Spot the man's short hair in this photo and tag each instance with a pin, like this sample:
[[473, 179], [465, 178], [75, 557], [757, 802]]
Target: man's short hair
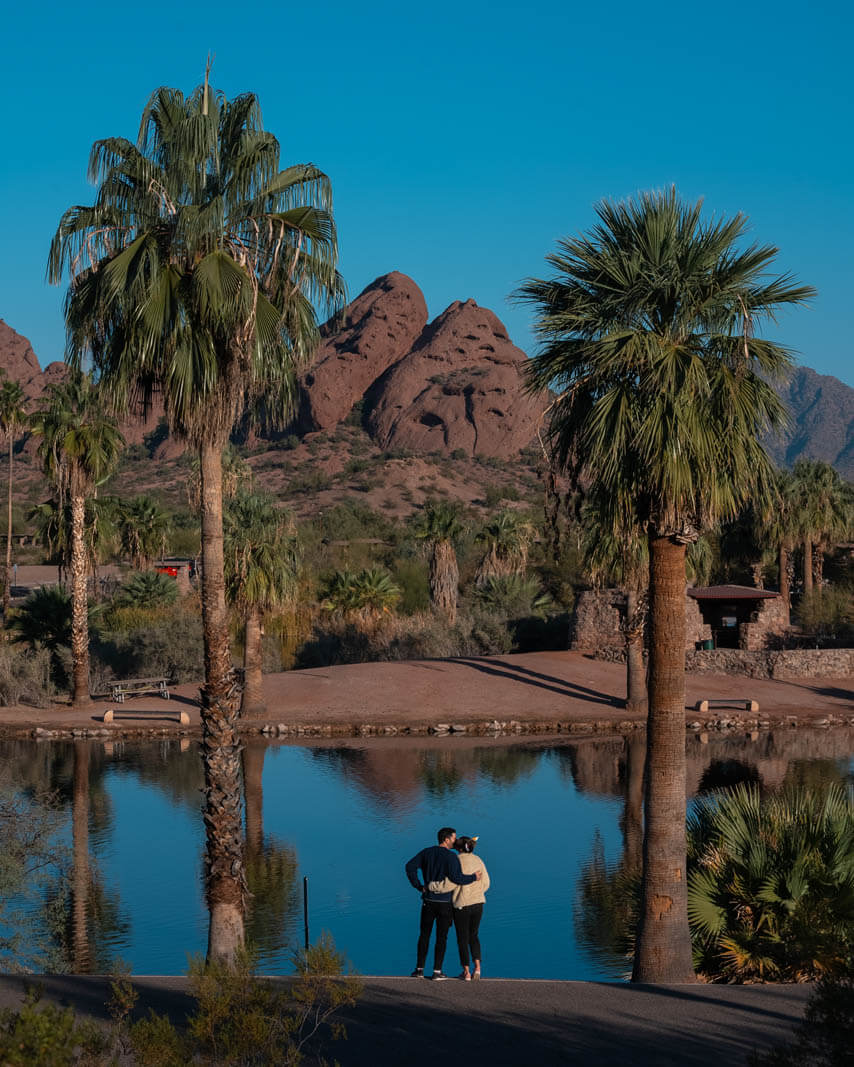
[[445, 833]]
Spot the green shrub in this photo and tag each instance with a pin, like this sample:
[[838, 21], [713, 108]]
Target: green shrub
[[823, 1038], [49, 1036], [147, 589], [771, 884], [241, 1019]]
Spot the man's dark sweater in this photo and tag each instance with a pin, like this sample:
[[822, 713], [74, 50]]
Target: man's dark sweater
[[436, 864]]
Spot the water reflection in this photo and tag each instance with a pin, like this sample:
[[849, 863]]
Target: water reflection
[[271, 869], [348, 814]]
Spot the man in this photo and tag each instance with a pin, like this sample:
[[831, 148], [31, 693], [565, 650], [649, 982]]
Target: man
[[436, 863]]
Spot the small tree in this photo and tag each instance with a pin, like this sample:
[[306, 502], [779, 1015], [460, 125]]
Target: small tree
[[262, 560], [439, 526], [507, 538]]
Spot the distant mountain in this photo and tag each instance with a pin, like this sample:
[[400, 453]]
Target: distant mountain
[[822, 422]]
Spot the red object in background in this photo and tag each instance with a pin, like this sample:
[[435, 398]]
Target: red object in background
[[171, 571]]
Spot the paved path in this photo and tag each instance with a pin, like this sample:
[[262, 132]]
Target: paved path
[[408, 1023]]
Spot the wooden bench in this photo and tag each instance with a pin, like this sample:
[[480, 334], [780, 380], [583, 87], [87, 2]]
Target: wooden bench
[[726, 702], [182, 716], [126, 687]]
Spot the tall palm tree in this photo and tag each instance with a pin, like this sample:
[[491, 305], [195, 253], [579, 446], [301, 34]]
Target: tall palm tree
[[439, 526], [507, 537], [648, 331], [781, 524], [80, 448], [13, 416], [143, 527], [53, 531], [824, 514], [195, 274], [261, 568]]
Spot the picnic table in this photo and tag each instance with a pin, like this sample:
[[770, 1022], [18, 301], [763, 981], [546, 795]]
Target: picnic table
[[125, 687]]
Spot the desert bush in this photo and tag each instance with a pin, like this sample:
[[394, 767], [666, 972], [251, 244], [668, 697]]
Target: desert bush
[[171, 647], [411, 575], [49, 1036], [25, 676], [512, 596], [828, 613], [241, 1019]]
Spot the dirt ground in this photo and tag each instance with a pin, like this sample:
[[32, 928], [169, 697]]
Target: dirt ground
[[537, 689]]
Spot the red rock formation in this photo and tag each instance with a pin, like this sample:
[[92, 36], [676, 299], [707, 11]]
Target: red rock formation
[[375, 331], [18, 360], [460, 387]]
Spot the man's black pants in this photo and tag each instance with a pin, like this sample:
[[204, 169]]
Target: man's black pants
[[442, 914], [467, 923]]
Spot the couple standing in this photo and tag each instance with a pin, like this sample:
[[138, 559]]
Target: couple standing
[[452, 893]]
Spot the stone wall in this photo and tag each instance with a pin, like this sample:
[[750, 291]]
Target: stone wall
[[786, 665], [598, 616], [600, 613], [770, 620]]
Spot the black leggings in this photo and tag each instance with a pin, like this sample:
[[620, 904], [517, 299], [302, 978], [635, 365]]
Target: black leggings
[[442, 914], [467, 924]]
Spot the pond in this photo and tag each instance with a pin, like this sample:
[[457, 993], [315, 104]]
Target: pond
[[347, 816]]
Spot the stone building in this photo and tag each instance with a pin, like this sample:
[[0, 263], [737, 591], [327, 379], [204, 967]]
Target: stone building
[[722, 616]]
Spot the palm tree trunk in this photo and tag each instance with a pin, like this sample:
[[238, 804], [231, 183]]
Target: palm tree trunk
[[783, 563], [7, 578], [81, 953], [79, 613], [663, 950], [818, 566], [444, 580], [633, 803], [636, 697], [224, 869], [253, 775], [252, 703], [807, 566]]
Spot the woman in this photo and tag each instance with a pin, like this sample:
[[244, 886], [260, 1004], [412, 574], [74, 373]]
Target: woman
[[468, 901]]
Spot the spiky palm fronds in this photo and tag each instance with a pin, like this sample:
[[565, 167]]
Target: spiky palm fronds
[[771, 883], [144, 528], [649, 333], [147, 589], [196, 272], [507, 537], [513, 596], [367, 594], [262, 553]]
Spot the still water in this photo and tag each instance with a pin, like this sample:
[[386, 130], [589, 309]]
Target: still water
[[348, 815]]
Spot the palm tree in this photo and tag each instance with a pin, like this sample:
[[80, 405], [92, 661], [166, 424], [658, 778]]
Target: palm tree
[[507, 538], [771, 884], [781, 525], [13, 417], [439, 526], [622, 557], [366, 595], [53, 530], [262, 566], [195, 274], [80, 447], [648, 335], [143, 530], [824, 511]]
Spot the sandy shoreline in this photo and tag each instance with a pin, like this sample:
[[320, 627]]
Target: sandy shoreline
[[536, 692]]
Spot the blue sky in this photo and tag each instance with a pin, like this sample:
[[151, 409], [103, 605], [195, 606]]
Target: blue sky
[[462, 140]]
